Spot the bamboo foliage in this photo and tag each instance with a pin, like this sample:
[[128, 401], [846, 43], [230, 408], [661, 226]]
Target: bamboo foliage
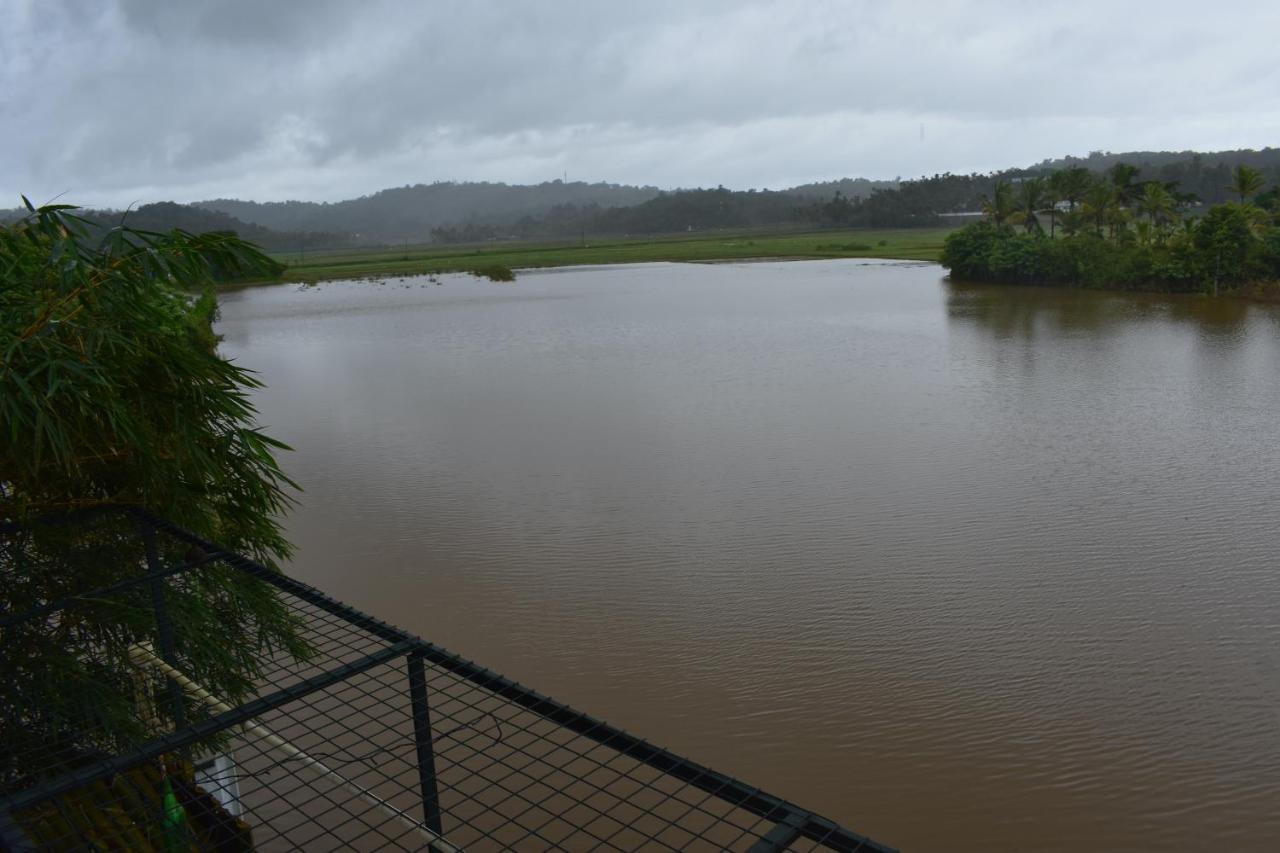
[[112, 391]]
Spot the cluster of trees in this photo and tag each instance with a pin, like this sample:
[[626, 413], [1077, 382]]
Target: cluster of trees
[[1203, 179], [856, 188], [1195, 179], [1208, 176], [1114, 230], [912, 204]]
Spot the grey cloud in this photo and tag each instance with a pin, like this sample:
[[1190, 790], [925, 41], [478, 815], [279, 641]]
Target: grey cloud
[[146, 99], [239, 23]]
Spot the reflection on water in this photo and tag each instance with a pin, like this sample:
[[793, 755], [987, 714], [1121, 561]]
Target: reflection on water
[[958, 566], [1010, 311]]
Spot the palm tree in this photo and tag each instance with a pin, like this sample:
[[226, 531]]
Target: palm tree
[[999, 206], [1245, 182], [1144, 230], [1099, 204], [1031, 196], [1157, 203], [1050, 201], [1073, 221], [1122, 178], [1071, 184]]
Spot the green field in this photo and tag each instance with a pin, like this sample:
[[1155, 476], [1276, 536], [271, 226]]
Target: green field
[[920, 244]]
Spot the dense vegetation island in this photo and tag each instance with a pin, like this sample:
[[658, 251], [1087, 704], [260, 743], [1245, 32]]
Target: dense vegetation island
[[1113, 231]]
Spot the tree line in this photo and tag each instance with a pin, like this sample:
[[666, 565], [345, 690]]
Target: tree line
[[1193, 180], [1115, 230]]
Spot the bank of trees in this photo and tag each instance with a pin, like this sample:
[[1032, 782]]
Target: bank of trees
[[1116, 230]]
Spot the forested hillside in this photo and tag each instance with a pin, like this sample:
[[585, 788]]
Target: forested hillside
[[1205, 174], [848, 187], [167, 215], [410, 212], [1201, 180]]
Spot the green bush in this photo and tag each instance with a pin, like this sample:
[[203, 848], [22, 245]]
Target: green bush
[[494, 272]]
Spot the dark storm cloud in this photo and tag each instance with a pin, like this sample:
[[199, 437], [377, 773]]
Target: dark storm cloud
[[145, 99]]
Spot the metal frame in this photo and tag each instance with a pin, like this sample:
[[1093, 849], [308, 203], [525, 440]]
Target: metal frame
[[781, 823]]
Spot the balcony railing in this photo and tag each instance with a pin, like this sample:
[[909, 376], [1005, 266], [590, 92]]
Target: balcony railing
[[363, 736]]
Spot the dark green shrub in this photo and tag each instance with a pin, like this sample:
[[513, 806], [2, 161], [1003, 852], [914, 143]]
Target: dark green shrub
[[494, 272]]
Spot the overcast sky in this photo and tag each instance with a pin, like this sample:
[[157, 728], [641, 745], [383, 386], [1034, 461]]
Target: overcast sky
[[143, 100]]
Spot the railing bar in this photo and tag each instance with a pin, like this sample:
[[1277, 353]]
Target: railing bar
[[422, 742], [202, 729], [783, 833], [164, 627]]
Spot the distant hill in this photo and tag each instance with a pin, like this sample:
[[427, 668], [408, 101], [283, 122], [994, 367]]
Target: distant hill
[[1097, 161], [1207, 174], [667, 212], [847, 187], [410, 212], [167, 215]]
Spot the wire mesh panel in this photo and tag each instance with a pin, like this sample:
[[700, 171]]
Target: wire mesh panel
[[352, 734]]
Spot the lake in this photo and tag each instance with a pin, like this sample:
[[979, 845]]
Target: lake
[[958, 566]]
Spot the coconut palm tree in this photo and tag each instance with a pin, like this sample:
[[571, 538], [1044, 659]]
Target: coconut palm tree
[[1144, 231], [1030, 203], [1245, 182], [1071, 184], [999, 206], [1050, 200], [1123, 177], [1157, 204], [1099, 204]]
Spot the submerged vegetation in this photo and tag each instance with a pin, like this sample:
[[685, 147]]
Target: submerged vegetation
[[919, 244], [1114, 231], [494, 272]]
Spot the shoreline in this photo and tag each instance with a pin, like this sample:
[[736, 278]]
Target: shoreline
[[764, 259], [918, 244]]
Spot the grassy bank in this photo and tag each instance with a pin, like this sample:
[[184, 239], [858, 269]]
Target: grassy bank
[[909, 244]]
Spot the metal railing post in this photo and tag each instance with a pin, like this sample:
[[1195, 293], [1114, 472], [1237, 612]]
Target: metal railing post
[[164, 627], [422, 739]]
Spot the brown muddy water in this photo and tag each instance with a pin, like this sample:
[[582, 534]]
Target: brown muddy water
[[960, 567]]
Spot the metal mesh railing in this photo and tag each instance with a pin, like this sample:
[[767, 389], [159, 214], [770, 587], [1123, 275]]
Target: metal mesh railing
[[361, 736]]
